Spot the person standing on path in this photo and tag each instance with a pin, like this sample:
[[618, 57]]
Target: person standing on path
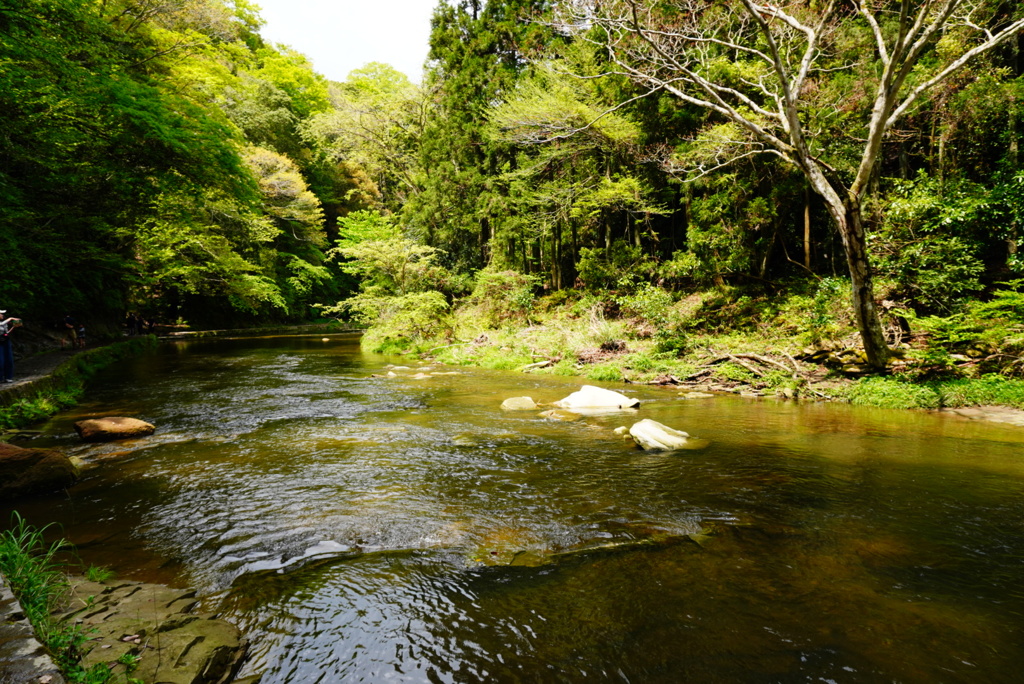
[[70, 334], [6, 350]]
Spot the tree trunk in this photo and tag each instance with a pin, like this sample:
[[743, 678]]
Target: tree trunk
[[851, 229], [807, 227]]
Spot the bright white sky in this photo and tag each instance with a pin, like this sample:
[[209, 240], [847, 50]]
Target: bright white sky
[[342, 35]]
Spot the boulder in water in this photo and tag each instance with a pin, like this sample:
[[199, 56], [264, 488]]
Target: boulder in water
[[519, 404], [590, 397], [108, 429], [651, 435], [24, 472]]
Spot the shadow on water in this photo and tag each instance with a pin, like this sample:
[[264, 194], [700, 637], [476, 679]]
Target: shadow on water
[[404, 528]]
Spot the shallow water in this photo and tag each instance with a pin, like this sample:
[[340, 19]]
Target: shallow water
[[371, 529]]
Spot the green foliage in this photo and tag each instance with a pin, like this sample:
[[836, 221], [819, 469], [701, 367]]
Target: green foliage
[[499, 358], [95, 573], [821, 314], [896, 393], [981, 328], [400, 320], [504, 297], [381, 256], [31, 568], [374, 125], [624, 265], [932, 240], [647, 302], [986, 390]]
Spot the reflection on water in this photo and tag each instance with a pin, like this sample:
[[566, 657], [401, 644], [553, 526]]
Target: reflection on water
[[364, 528]]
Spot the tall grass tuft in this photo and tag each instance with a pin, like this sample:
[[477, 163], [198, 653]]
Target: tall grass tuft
[[34, 575]]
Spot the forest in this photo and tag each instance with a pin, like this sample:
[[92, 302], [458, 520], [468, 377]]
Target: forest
[[838, 174]]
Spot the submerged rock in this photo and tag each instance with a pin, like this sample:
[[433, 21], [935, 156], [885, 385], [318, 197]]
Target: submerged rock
[[590, 397], [651, 435], [519, 404], [696, 395], [561, 414], [24, 472], [465, 439], [116, 427]]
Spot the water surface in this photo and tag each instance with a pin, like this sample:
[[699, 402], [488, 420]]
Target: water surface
[[369, 529]]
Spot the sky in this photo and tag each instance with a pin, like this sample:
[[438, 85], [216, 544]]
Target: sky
[[341, 35]]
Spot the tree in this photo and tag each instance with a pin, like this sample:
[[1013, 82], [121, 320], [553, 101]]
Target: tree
[[477, 51], [375, 125], [761, 67]]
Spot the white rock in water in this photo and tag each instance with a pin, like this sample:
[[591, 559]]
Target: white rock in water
[[590, 397], [621, 430], [651, 435], [519, 404]]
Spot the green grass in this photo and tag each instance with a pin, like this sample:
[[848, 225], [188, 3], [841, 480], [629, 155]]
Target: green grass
[[891, 393], [904, 394]]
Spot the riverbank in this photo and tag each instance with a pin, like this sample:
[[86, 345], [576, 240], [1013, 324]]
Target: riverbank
[[774, 359], [47, 383]]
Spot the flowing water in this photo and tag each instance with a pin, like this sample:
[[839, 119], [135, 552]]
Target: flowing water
[[367, 529]]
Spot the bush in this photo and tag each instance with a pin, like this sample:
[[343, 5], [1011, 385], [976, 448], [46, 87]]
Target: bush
[[649, 303], [601, 269], [504, 297], [932, 240], [406, 320]]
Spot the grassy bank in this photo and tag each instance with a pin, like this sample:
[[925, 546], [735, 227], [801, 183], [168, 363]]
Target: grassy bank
[[64, 387], [796, 342], [40, 583]]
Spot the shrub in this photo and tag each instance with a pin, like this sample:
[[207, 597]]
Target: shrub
[[504, 296], [647, 302], [932, 239], [396, 320]]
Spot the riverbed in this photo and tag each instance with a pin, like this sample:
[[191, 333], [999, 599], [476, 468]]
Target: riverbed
[[366, 528]]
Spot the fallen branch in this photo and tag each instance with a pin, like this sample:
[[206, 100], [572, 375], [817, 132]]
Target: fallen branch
[[764, 360], [746, 365], [796, 367]]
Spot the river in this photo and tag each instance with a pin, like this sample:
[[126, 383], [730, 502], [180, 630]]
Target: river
[[361, 528]]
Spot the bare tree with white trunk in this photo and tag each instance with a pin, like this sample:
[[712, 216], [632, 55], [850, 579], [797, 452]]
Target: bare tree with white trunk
[[682, 46]]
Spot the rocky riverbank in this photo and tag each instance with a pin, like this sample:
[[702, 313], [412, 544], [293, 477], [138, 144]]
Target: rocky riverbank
[[151, 632]]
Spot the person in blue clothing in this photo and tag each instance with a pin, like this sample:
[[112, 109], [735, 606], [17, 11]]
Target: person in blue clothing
[[7, 325]]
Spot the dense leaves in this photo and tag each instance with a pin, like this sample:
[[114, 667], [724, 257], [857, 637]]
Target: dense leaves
[[162, 156]]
